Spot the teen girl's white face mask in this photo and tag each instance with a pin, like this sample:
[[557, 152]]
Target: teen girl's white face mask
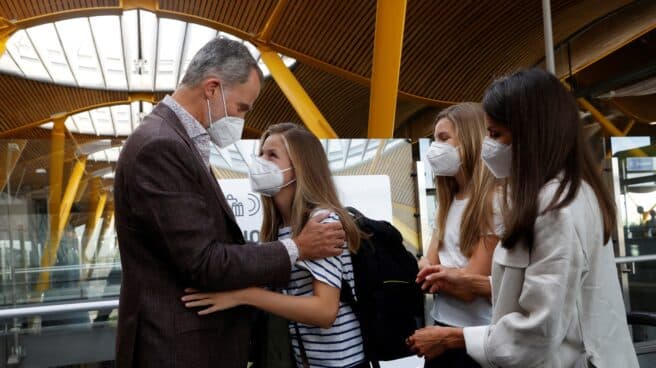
[[497, 157], [226, 130], [266, 177], [444, 159]]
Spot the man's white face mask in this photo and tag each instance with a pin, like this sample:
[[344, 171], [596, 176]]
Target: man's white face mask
[[266, 177], [226, 130]]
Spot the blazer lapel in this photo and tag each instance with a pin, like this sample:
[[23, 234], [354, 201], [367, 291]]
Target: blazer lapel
[[172, 119]]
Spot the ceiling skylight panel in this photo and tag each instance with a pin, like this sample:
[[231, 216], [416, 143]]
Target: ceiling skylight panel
[[48, 46], [129, 32], [107, 35], [8, 65], [122, 119], [102, 121], [81, 51], [84, 123], [22, 51], [197, 36], [142, 63], [171, 38]]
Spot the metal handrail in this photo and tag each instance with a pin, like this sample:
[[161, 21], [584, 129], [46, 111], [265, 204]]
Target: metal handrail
[[637, 259], [57, 308]]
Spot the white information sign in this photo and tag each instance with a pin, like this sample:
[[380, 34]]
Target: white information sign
[[371, 194]]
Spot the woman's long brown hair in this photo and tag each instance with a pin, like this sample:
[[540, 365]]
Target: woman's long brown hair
[[468, 120], [547, 143]]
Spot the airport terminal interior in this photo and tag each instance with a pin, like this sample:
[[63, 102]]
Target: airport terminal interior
[[367, 77]]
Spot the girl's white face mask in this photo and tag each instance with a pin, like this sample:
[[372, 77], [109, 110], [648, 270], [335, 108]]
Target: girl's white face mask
[[497, 157], [226, 130], [266, 177], [444, 159]]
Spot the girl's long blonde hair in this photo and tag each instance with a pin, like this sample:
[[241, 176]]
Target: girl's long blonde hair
[[468, 120], [314, 185]]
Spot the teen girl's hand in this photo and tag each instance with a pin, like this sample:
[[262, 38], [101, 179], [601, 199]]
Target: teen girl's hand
[[213, 301]]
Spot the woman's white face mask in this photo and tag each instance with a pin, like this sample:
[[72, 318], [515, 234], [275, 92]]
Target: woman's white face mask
[[497, 157], [444, 159], [266, 177]]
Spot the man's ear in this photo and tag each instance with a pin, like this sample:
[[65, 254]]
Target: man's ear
[[211, 87]]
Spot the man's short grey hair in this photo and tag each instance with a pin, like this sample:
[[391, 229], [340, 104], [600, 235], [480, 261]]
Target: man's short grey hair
[[229, 60]]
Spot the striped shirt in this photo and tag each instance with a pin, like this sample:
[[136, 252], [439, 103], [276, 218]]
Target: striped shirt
[[341, 344]]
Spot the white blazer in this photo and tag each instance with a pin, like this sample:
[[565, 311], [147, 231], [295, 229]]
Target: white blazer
[[558, 305]]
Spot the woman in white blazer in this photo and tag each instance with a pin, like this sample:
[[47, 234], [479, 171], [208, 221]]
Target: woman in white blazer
[[555, 292]]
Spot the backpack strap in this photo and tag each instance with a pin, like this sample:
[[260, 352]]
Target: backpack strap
[[304, 358]]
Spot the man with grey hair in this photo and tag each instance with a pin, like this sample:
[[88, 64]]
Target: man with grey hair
[[176, 230]]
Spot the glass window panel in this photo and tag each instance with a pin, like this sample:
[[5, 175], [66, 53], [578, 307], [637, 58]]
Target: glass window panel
[[122, 119], [171, 38], [84, 123], [102, 120], [81, 51], [49, 125], [7, 65], [46, 41], [24, 54], [107, 33]]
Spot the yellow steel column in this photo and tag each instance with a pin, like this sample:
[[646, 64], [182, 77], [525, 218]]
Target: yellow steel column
[[56, 169], [296, 95], [64, 210], [388, 42], [98, 200]]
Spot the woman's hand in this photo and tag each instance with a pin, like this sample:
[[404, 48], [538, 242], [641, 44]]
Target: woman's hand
[[431, 342], [215, 301], [437, 277]]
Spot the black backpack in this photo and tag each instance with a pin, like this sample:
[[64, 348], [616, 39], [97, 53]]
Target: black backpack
[[390, 304]]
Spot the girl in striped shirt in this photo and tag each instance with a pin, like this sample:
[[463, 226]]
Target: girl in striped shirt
[[293, 176]]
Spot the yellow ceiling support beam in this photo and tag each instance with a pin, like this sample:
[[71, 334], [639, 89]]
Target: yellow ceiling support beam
[[629, 127], [142, 96], [296, 95], [388, 43], [50, 252], [14, 150], [273, 21], [608, 125], [151, 5], [7, 28], [98, 199]]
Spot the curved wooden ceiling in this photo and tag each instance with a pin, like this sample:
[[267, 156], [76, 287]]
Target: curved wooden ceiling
[[452, 50]]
